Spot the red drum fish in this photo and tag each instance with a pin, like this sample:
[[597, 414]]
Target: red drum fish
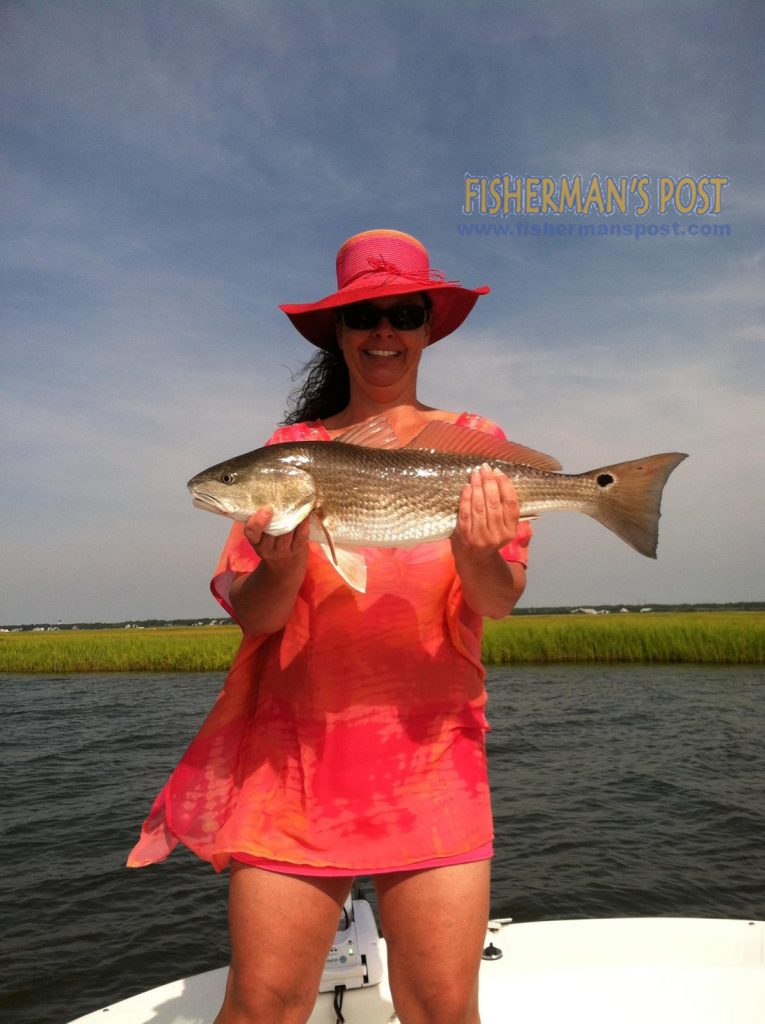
[[364, 490]]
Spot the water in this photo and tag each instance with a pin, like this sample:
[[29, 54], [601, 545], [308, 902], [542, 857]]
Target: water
[[617, 791]]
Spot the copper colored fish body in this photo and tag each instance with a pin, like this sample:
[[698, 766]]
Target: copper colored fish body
[[385, 496]]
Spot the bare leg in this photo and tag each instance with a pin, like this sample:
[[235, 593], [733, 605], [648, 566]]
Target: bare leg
[[281, 929], [434, 923]]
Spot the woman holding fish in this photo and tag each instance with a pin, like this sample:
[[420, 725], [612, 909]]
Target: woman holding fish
[[444, 911], [349, 736]]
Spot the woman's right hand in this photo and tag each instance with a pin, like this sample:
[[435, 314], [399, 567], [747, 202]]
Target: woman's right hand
[[276, 551], [263, 600]]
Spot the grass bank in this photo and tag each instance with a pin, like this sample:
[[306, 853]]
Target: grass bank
[[164, 649], [708, 638], [705, 638]]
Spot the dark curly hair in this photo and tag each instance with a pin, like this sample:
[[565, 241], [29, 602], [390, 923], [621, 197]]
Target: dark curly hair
[[326, 388]]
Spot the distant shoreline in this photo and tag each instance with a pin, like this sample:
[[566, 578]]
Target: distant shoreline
[[722, 637], [599, 609]]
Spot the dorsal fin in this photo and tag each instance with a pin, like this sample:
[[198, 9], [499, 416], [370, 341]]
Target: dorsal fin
[[372, 433], [448, 437]]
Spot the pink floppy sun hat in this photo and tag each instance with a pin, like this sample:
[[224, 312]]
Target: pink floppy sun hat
[[376, 264]]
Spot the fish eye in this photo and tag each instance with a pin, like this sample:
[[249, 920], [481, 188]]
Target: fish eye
[[227, 478]]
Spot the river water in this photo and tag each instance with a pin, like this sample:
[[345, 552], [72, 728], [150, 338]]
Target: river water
[[618, 791]]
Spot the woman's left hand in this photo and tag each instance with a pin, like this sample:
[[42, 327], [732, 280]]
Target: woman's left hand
[[487, 518]]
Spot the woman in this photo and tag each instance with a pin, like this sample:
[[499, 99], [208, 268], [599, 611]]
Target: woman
[[349, 737]]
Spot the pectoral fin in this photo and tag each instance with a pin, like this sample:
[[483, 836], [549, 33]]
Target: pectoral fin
[[286, 520], [350, 565]]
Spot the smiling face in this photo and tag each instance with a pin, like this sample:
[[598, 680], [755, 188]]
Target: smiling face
[[382, 361]]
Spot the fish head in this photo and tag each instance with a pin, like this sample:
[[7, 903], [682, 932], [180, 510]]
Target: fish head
[[240, 486]]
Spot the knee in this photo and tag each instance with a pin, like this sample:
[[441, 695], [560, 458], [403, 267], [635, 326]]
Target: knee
[[448, 1003], [262, 999]]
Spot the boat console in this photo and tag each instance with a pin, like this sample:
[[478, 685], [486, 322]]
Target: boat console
[[354, 959]]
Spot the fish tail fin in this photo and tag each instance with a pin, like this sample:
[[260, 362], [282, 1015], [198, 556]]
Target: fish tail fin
[[628, 498]]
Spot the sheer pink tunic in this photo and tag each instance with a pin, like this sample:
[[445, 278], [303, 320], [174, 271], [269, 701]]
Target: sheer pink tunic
[[351, 741]]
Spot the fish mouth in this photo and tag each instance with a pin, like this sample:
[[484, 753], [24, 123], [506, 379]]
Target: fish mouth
[[209, 503]]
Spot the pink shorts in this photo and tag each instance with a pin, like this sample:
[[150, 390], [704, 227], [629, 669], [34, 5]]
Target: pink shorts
[[485, 852]]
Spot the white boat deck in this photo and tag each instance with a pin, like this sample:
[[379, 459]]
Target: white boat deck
[[628, 970]]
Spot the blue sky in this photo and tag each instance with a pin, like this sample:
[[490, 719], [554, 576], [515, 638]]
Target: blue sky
[[174, 170]]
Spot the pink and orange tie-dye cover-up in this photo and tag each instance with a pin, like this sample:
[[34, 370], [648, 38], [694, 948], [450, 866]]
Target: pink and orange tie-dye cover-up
[[355, 735]]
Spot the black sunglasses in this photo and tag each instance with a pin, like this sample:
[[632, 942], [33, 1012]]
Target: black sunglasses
[[363, 316]]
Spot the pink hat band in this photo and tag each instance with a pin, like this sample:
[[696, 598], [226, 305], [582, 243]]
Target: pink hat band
[[362, 256], [377, 264], [382, 270]]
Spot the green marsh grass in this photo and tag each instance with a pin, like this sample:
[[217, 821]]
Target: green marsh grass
[[702, 638], [708, 638], [164, 649]]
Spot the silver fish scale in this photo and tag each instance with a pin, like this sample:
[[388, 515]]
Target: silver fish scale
[[368, 497]]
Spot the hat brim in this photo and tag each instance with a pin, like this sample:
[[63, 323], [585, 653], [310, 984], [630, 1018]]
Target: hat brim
[[451, 305]]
